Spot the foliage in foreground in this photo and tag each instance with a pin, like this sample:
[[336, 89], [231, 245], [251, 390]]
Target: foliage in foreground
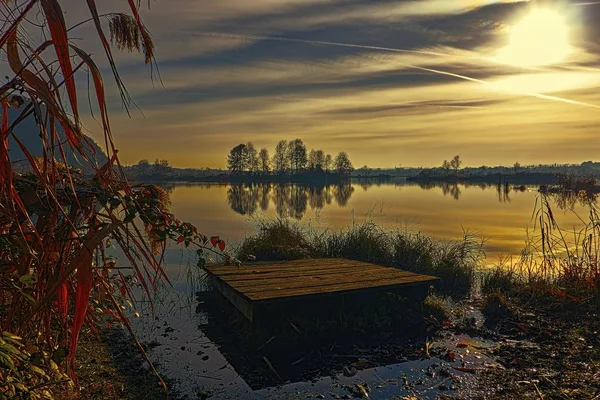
[[454, 262], [57, 226]]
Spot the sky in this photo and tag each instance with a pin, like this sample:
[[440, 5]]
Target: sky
[[391, 82]]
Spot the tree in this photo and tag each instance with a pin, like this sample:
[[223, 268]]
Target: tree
[[237, 160], [327, 163], [446, 166], [252, 157], [161, 167], [319, 159], [342, 163], [517, 167], [144, 167], [455, 163], [312, 164], [280, 158], [264, 164], [297, 155], [316, 160]]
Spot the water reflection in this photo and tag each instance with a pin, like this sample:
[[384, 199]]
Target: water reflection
[[501, 213], [290, 200], [569, 200], [293, 200]]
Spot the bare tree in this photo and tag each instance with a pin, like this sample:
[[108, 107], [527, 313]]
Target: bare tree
[[280, 158], [446, 166], [455, 163], [517, 167], [264, 164], [252, 157]]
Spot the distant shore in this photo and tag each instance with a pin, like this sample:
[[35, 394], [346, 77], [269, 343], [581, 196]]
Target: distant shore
[[517, 178], [305, 178]]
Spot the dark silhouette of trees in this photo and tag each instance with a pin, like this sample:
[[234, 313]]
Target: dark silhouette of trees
[[289, 158], [161, 167], [517, 167], [446, 166], [144, 167], [280, 158], [252, 157], [237, 160], [297, 155], [455, 163], [264, 163], [327, 163], [342, 164], [316, 160]]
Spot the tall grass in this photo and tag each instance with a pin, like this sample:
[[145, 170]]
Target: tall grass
[[556, 262], [454, 262]]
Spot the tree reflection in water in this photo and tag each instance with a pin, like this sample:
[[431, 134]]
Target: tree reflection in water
[[290, 200]]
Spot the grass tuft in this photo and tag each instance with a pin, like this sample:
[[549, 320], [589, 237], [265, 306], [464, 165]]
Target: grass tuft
[[276, 240], [454, 262]]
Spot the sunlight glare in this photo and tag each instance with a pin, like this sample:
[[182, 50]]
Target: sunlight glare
[[540, 38]]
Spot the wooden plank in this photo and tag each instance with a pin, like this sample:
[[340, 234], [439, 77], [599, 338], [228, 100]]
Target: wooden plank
[[347, 287], [266, 278], [312, 280], [267, 273], [316, 264], [332, 283], [304, 263]]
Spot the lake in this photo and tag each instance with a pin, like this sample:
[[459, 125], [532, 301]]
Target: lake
[[501, 215], [180, 327]]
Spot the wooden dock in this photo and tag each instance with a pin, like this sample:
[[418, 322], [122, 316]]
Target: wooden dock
[[257, 284]]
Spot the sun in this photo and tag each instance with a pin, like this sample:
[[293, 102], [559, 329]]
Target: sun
[[541, 38]]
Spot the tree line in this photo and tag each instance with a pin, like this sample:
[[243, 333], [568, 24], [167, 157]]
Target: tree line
[[289, 158]]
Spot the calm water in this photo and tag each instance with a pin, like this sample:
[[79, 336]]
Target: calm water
[[442, 211]]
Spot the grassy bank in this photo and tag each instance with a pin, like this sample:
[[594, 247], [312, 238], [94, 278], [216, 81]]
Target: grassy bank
[[454, 261], [546, 307]]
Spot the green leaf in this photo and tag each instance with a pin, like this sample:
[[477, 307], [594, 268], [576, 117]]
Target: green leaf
[[7, 361], [27, 279], [37, 370], [201, 262]]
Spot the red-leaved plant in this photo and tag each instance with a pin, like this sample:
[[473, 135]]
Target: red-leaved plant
[[55, 221]]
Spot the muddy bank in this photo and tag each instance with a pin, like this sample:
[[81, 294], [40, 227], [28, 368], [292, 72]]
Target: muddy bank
[[109, 366], [547, 353]]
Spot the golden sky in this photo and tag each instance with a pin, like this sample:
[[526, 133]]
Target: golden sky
[[391, 82]]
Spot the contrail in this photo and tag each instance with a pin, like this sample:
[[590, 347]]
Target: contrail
[[397, 50], [482, 82]]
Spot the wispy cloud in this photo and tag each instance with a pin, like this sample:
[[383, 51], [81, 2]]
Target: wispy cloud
[[389, 81]]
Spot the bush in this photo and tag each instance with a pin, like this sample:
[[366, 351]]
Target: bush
[[363, 242], [275, 240]]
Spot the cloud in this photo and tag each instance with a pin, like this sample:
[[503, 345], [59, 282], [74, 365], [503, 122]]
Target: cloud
[[388, 81]]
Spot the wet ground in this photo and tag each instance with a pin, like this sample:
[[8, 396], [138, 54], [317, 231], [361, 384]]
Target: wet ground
[[204, 362]]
